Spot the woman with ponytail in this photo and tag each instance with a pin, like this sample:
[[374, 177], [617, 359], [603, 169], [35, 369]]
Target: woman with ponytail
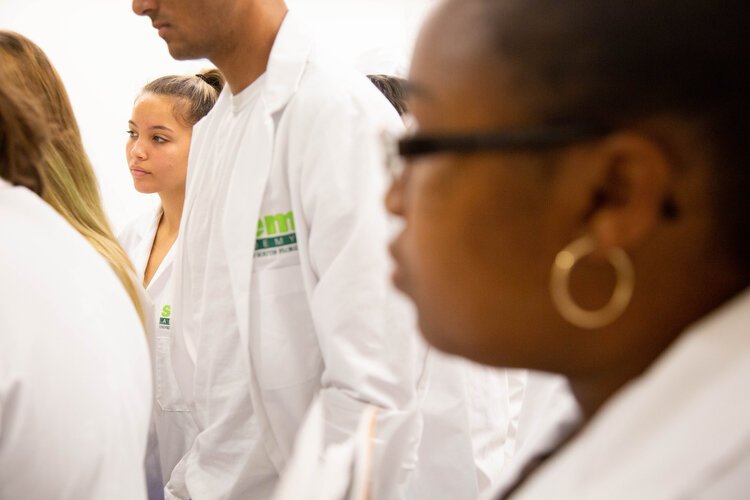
[[159, 133]]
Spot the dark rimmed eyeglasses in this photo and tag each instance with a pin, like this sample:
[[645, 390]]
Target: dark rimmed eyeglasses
[[400, 151]]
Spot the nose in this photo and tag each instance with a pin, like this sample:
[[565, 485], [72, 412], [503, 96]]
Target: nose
[[136, 150], [144, 7], [394, 197]]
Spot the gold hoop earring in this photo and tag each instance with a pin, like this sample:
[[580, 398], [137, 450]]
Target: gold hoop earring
[[566, 260]]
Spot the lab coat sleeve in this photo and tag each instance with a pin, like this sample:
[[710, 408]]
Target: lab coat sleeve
[[365, 329]]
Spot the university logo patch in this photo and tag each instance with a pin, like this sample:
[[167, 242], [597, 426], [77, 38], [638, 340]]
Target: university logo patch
[[164, 320], [275, 235]]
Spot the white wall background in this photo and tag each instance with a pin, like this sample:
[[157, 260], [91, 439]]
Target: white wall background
[[105, 54]]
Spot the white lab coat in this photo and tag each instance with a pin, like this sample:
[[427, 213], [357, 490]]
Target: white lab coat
[[476, 419], [75, 385], [470, 418], [341, 471], [173, 420], [681, 430], [547, 414]]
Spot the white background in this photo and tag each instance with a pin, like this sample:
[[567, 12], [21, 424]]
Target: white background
[[105, 54]]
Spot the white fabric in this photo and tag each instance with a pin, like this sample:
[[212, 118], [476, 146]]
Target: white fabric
[[476, 419], [546, 414], [75, 387], [682, 430], [341, 471], [311, 312], [173, 422], [469, 413]]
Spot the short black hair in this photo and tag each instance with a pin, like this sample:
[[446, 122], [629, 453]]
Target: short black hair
[[393, 88], [613, 63]]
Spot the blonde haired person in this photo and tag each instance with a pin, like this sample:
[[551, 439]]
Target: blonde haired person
[[74, 373], [70, 185], [159, 134]]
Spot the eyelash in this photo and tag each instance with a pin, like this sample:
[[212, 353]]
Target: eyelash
[[157, 139]]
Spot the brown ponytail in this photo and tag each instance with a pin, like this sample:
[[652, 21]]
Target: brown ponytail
[[194, 95]]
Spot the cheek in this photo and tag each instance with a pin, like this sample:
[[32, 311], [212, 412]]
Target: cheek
[[184, 158], [170, 161], [445, 272], [474, 263]]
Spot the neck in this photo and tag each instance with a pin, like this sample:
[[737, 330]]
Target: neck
[[670, 311], [591, 394], [171, 204], [246, 56]]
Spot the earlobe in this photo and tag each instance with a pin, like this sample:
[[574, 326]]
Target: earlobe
[[635, 190]]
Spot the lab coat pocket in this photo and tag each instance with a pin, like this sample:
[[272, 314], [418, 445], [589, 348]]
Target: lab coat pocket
[[287, 351], [168, 393]]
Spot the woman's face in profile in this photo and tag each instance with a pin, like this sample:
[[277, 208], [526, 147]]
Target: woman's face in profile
[[158, 145], [481, 230]]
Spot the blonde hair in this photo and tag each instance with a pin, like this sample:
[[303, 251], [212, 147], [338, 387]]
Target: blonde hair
[[67, 178]]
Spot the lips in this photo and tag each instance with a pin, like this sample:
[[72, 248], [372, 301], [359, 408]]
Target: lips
[[161, 27], [138, 173], [397, 272]]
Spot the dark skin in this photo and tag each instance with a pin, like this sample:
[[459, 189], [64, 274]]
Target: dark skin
[[482, 230]]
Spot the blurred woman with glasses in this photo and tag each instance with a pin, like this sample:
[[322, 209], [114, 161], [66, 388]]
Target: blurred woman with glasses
[[575, 199]]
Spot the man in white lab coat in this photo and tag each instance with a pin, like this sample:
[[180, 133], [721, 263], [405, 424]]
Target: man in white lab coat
[[281, 273]]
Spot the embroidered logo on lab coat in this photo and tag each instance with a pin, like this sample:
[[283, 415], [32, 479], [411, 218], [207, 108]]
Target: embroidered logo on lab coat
[[275, 235], [166, 313]]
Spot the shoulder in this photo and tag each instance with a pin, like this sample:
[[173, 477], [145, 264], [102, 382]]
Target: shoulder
[[45, 262], [339, 91], [28, 222], [220, 109]]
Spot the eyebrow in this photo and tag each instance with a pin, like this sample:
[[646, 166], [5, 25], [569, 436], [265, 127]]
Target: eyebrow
[[155, 127]]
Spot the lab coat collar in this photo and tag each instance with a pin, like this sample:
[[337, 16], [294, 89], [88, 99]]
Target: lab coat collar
[[147, 230], [662, 421], [286, 63]]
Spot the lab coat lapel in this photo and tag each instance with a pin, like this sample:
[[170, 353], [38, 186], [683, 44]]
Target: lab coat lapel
[[247, 187], [286, 64], [145, 230], [248, 182]]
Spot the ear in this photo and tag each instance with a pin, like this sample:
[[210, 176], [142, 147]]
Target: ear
[[636, 174]]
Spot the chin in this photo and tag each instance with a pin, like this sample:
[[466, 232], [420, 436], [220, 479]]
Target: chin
[[182, 52], [144, 189], [457, 342], [441, 339]]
